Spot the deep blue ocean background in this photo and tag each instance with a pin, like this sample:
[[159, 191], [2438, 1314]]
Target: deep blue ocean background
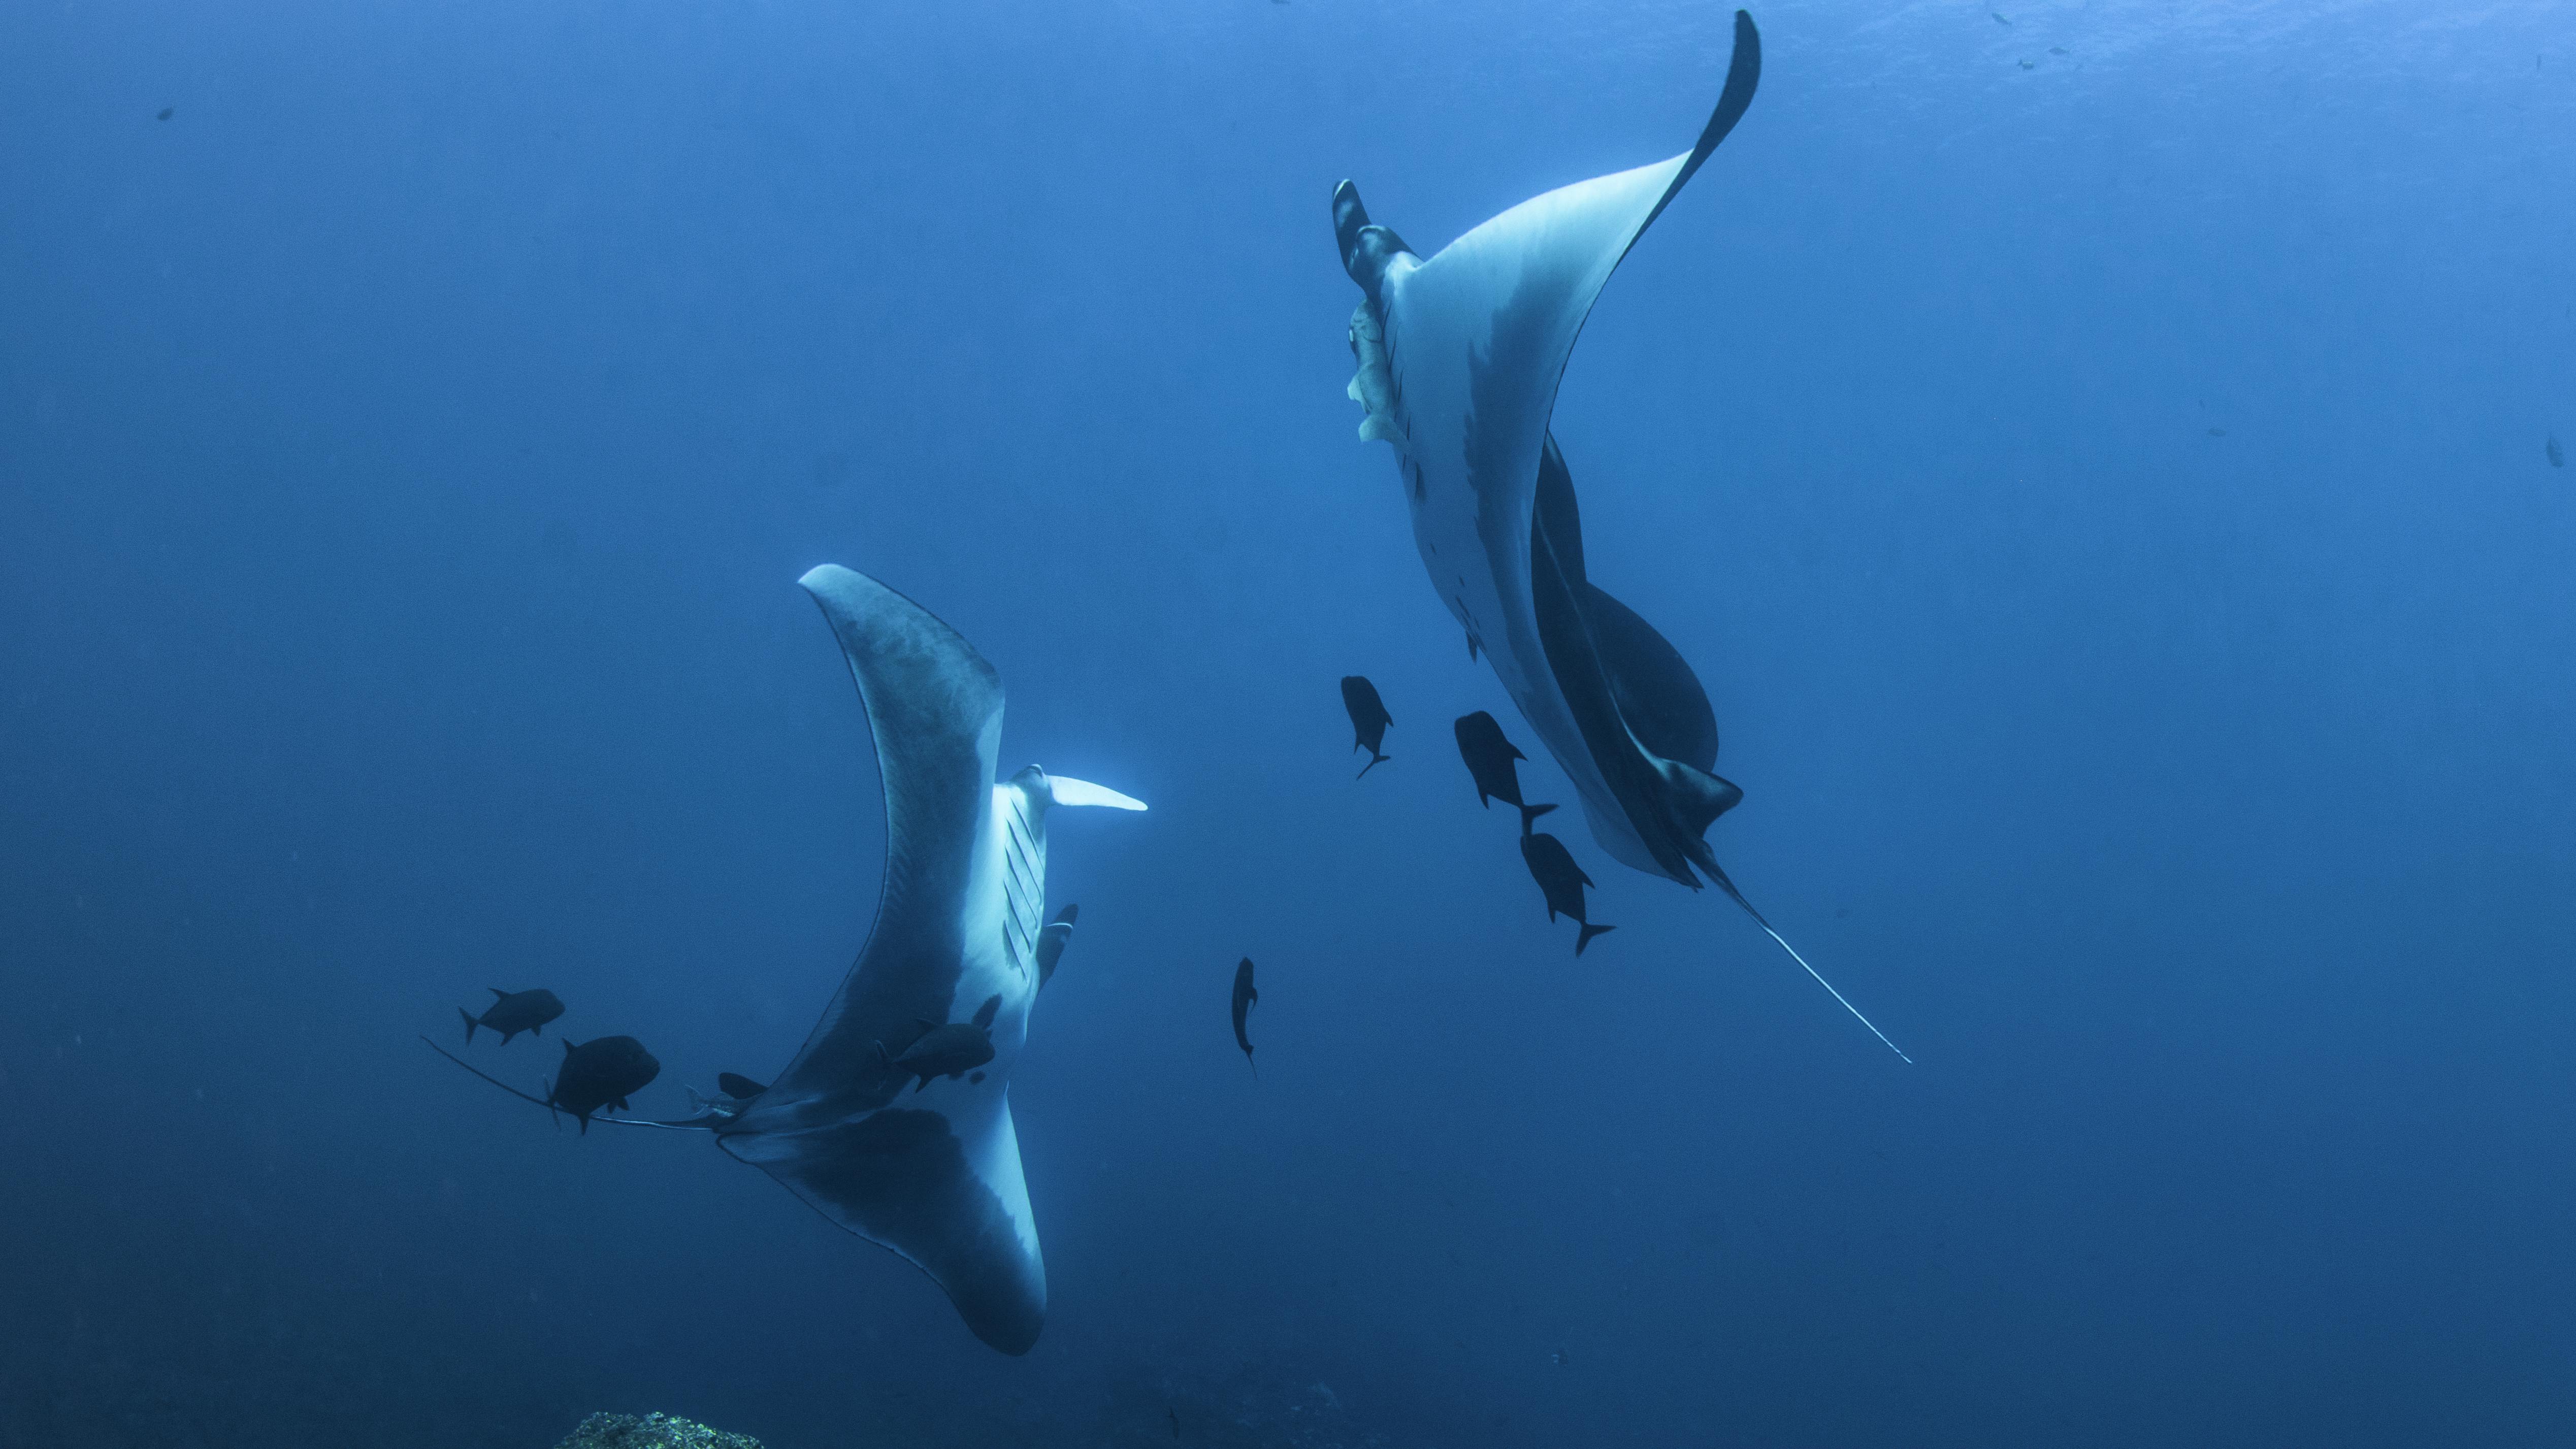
[[2095, 454]]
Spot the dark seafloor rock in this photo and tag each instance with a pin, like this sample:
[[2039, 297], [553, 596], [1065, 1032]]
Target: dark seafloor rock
[[653, 1431]]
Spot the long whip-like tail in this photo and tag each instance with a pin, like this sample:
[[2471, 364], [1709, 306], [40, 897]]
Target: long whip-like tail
[[1729, 887], [549, 1106], [487, 1076]]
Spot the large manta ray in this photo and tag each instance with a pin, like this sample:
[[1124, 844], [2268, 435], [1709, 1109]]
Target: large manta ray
[[959, 949], [1459, 359]]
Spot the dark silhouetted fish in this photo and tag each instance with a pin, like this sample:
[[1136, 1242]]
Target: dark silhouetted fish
[[1369, 719], [1489, 758], [1563, 882], [947, 1051], [601, 1073], [2557, 455], [740, 1088], [513, 1013], [1244, 996]]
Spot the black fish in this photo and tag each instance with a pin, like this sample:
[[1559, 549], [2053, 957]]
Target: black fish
[[1369, 718], [1489, 758], [740, 1088], [165, 113], [946, 1051], [1244, 996], [1563, 882], [2557, 455], [600, 1073], [513, 1013]]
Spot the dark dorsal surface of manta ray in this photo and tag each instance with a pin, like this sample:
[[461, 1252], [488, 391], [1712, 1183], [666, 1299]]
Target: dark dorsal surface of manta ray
[[948, 974], [513, 1012], [1459, 357], [601, 1073], [1562, 882], [1244, 997], [1489, 755], [1369, 719]]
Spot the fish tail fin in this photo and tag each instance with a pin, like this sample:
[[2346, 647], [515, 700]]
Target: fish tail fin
[[1530, 813], [1708, 863], [470, 1024], [1375, 760], [1584, 937]]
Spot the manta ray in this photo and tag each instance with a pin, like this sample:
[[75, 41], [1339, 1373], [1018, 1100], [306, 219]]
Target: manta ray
[[894, 1120], [961, 937], [1459, 357]]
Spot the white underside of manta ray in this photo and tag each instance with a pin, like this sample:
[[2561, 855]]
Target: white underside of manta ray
[[1459, 360], [925, 1162]]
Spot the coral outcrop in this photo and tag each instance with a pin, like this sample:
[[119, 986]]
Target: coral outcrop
[[653, 1431]]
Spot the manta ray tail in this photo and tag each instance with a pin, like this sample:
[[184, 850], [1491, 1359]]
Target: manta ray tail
[[487, 1076], [1584, 937], [1708, 863], [1530, 813]]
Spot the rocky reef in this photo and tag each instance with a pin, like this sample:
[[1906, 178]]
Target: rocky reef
[[653, 1431]]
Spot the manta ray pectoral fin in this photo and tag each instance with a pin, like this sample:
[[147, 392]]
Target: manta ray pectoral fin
[[941, 1186], [1696, 797], [1070, 791], [934, 709]]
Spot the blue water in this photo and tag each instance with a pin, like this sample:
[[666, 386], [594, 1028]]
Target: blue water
[[2105, 492]]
